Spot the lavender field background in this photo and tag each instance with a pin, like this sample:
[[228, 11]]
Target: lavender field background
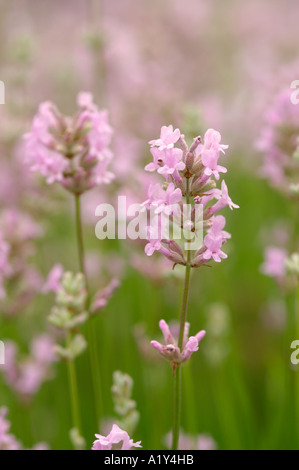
[[196, 65]]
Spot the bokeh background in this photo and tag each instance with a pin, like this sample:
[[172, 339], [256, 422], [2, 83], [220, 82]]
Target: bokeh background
[[194, 64]]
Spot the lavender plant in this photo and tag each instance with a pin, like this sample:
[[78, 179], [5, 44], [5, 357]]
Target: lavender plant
[[190, 175], [73, 151]]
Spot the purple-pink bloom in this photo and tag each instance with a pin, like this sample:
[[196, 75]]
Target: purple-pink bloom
[[172, 163], [117, 439], [168, 138], [223, 200], [171, 351], [210, 161], [163, 200], [74, 151]]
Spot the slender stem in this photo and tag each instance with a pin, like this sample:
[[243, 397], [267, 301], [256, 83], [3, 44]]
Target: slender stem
[[74, 390], [184, 306], [79, 233], [93, 352], [177, 372], [177, 408]]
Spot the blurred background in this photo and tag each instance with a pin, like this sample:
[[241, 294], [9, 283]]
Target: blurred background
[[194, 64]]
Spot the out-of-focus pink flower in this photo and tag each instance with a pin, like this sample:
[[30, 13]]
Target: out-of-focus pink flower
[[7, 441], [278, 142], [117, 439], [27, 375], [193, 442], [52, 283], [73, 151], [275, 262], [101, 298]]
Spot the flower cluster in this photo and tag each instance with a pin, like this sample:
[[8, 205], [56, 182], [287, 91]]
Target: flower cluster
[[190, 176], [18, 232], [279, 144], [69, 311], [73, 151], [26, 376], [171, 351], [124, 406], [117, 439]]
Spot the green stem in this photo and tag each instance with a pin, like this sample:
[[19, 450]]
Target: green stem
[[93, 351], [177, 372], [74, 391], [177, 408]]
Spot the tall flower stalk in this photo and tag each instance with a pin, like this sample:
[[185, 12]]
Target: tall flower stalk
[[279, 144], [183, 226], [93, 352], [74, 151]]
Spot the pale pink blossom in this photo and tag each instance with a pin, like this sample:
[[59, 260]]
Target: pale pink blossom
[[25, 376], [275, 262], [163, 200], [168, 138], [171, 351], [117, 439]]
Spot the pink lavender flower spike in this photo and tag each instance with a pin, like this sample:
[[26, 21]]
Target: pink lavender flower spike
[[190, 176], [117, 439], [278, 143], [171, 351], [73, 151]]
